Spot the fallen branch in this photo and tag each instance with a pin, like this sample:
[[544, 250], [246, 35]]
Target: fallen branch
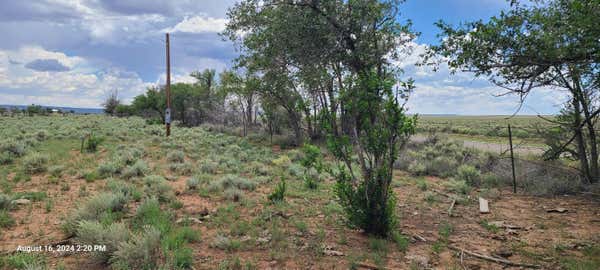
[[492, 259]]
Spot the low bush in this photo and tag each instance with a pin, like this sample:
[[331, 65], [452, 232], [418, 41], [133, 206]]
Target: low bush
[[138, 169], [469, 174], [458, 186], [233, 194], [6, 220], [142, 251], [176, 156], [35, 163], [110, 168], [92, 143], [95, 233], [5, 202], [181, 168], [157, 186], [56, 170], [102, 207], [14, 147], [208, 167], [225, 243], [231, 180], [192, 183]]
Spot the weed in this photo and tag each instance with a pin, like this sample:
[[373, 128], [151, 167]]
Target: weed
[[150, 214], [401, 241], [490, 227], [279, 193]]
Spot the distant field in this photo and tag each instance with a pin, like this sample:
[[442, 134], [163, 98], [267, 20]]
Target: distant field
[[524, 127]]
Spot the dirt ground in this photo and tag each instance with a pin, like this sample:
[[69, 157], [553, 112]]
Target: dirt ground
[[519, 228]]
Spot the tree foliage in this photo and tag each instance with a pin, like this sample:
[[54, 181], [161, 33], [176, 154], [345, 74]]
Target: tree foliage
[[545, 44], [330, 60]]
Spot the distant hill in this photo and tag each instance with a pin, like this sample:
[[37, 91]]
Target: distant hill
[[64, 109]]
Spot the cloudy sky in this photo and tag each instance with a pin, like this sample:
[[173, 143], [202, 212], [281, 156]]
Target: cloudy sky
[[73, 52]]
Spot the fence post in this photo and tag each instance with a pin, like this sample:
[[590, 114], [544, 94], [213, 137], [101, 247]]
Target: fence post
[[512, 160]]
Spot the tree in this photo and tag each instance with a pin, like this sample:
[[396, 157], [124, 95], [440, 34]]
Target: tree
[[339, 52], [151, 104], [548, 44], [111, 102], [244, 91]]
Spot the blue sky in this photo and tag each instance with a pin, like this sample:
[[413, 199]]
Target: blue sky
[[73, 52]]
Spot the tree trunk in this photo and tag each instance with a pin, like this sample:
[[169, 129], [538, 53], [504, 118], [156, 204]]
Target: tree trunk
[[589, 123], [581, 152]]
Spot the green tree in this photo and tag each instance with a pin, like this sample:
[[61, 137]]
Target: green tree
[[546, 44], [300, 47]]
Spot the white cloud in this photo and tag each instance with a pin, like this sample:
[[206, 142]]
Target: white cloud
[[444, 92], [199, 24], [83, 85]]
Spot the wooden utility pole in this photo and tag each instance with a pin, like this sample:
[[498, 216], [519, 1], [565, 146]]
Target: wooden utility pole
[[168, 89], [512, 160]]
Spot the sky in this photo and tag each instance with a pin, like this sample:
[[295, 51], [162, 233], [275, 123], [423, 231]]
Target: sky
[[74, 52]]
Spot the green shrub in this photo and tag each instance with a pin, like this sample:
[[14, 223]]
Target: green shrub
[[296, 170], [278, 193], [192, 183], [109, 169], [209, 167], [22, 260], [128, 190], [92, 143], [373, 215], [225, 243], [312, 178], [138, 169], [101, 207], [35, 163], [176, 156], [231, 180], [56, 170], [142, 251], [469, 174], [5, 219], [458, 186], [158, 187], [417, 168], [181, 168], [490, 180], [150, 214], [401, 241], [233, 194], [441, 166], [14, 147], [5, 202], [35, 196], [6, 158], [283, 161], [95, 233]]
